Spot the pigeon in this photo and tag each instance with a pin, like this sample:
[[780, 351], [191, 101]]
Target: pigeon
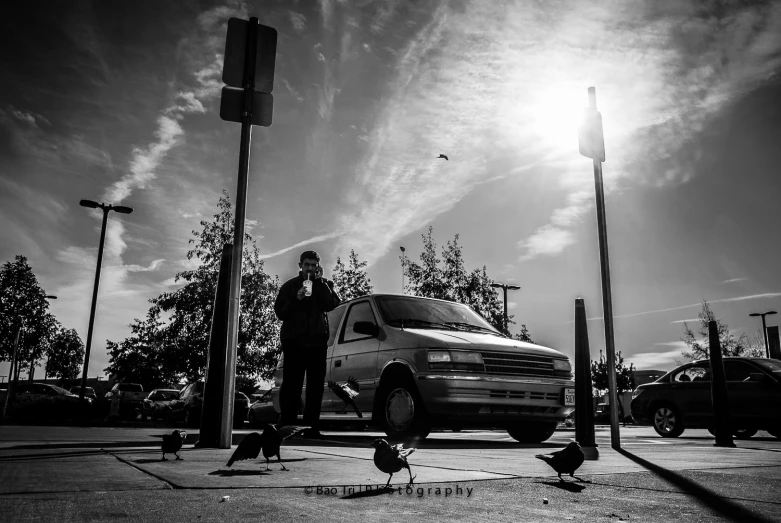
[[269, 442], [346, 392], [391, 459], [565, 461], [442, 156], [173, 442]]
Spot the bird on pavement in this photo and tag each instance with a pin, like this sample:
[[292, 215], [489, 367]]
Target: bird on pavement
[[442, 156], [269, 442], [173, 442], [565, 461], [391, 458], [346, 392]]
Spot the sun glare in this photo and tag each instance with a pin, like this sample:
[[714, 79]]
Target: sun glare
[[555, 115]]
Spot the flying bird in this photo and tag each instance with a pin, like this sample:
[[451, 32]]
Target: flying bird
[[172, 443], [391, 459], [565, 461], [442, 156], [346, 392], [269, 442]]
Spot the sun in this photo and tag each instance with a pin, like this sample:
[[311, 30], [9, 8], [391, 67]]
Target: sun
[[555, 113]]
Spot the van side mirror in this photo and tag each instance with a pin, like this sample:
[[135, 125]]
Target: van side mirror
[[366, 327]]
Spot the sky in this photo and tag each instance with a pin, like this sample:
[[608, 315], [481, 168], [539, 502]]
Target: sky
[[118, 102]]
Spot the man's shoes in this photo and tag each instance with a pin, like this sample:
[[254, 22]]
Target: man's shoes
[[311, 434]]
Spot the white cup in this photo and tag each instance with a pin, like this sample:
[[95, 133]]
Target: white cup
[[308, 287]]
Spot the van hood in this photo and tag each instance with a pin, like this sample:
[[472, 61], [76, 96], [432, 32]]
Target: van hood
[[472, 341]]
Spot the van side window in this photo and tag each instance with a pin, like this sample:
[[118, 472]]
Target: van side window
[[361, 311], [334, 317], [738, 370]]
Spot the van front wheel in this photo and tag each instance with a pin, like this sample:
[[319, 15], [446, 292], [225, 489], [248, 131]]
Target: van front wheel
[[403, 414], [532, 432]]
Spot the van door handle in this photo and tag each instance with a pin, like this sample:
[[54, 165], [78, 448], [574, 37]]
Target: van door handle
[[338, 363]]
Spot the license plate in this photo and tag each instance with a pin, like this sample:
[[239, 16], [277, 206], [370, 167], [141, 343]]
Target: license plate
[[569, 396]]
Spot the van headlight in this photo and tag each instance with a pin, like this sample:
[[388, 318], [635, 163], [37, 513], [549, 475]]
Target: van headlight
[[455, 360], [562, 368]]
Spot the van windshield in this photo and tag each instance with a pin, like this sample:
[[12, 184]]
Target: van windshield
[[417, 312]]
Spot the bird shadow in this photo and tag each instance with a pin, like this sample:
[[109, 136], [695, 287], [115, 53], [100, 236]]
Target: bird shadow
[[369, 493], [158, 460], [229, 473], [565, 485]]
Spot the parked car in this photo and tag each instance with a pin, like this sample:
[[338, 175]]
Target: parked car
[[423, 363], [89, 392], [157, 405], [187, 407], [681, 398], [131, 396], [262, 410], [31, 392]]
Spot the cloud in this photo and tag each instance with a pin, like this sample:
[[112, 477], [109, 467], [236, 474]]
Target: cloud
[[140, 268], [666, 360], [300, 244], [548, 240], [298, 21], [733, 280], [29, 117], [686, 321]]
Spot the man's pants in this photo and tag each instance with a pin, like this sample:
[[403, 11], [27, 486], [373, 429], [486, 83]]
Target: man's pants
[[300, 360]]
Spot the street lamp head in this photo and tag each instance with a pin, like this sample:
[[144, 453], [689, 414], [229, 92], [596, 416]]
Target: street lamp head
[[89, 203], [402, 249], [513, 287], [51, 297], [496, 285], [122, 209]]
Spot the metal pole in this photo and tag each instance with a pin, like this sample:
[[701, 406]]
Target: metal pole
[[238, 235], [106, 210], [13, 362], [403, 263], [764, 331], [607, 302], [504, 288]]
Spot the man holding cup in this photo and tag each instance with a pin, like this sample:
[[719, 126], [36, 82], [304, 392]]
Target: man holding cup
[[302, 304]]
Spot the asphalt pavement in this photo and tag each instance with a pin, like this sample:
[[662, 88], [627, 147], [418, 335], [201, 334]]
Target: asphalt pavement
[[115, 473]]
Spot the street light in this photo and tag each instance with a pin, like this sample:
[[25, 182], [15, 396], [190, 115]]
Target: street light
[[403, 260], [505, 288], [106, 209], [764, 328]]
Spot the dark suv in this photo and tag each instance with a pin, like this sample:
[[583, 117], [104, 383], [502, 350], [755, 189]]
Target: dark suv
[[188, 406], [681, 398]]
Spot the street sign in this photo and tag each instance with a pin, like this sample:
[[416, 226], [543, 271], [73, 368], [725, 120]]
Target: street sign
[[232, 106], [773, 342], [235, 51], [591, 139]]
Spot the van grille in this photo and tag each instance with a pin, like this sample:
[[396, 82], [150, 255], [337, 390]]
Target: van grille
[[512, 364]]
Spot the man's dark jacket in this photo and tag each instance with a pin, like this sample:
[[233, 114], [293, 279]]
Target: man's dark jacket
[[304, 321]]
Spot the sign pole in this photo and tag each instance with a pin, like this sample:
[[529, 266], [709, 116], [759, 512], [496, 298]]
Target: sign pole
[[234, 311]]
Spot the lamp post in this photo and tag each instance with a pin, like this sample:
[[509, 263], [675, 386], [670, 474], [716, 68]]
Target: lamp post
[[505, 288], [764, 328], [46, 368], [403, 261], [106, 209]]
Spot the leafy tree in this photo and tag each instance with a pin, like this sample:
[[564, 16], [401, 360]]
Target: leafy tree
[[23, 302], [451, 281], [65, 355], [625, 378], [177, 349], [351, 282], [524, 335], [730, 346]]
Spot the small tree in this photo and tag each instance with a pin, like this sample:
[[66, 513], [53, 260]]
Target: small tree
[[625, 378], [351, 282], [65, 355], [730, 346]]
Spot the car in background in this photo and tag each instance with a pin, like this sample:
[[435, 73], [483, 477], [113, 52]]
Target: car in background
[[188, 406], [157, 405], [681, 398], [89, 392], [31, 392], [262, 411]]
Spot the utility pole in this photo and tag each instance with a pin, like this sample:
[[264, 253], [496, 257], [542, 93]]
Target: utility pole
[[505, 288]]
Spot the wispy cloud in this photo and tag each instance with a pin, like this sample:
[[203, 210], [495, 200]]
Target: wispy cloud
[[300, 244], [733, 280], [690, 320], [666, 360]]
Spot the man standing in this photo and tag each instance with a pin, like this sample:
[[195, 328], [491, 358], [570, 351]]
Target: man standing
[[301, 306]]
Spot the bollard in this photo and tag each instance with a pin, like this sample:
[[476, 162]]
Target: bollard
[[211, 415], [718, 388], [584, 403]]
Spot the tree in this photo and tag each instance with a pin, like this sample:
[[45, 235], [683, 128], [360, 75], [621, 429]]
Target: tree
[[177, 349], [730, 346], [23, 302], [65, 355], [625, 378], [453, 282], [351, 282]]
